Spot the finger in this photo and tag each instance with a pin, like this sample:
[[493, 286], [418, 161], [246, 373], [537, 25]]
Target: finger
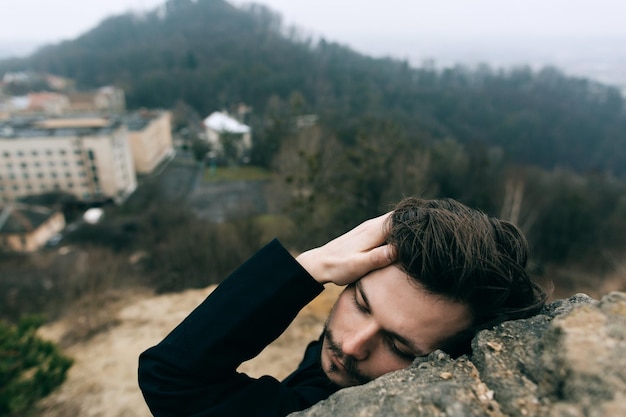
[[381, 256], [373, 231]]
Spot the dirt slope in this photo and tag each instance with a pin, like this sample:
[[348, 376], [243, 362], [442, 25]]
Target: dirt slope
[[103, 380]]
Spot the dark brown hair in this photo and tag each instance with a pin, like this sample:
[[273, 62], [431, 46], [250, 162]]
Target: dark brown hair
[[466, 256]]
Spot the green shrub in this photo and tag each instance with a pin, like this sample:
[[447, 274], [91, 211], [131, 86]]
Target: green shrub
[[30, 368]]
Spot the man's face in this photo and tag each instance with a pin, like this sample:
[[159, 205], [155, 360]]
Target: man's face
[[382, 322]]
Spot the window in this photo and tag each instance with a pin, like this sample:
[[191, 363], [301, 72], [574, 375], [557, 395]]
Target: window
[[62, 152], [6, 154], [34, 153], [91, 155], [20, 153]]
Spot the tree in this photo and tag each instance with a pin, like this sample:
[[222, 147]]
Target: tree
[[200, 148], [30, 368], [232, 147]]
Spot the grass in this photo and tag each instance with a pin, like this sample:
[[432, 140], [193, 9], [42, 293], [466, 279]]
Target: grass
[[236, 173]]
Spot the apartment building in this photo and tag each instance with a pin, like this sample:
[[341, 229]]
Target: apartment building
[[150, 138], [104, 100], [107, 99], [87, 157]]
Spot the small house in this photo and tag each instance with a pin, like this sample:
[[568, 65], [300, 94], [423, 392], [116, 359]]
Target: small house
[[25, 228]]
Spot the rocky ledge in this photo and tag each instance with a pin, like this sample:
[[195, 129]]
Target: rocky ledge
[[568, 361]]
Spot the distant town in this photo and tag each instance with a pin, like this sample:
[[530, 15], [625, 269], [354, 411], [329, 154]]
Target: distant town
[[84, 144]]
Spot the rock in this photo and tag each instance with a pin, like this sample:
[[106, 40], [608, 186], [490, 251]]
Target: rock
[[567, 361]]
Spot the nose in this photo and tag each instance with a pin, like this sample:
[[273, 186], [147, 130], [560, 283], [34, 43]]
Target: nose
[[359, 342]]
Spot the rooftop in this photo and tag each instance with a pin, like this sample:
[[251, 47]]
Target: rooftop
[[36, 127], [20, 218], [69, 123], [222, 122], [138, 120]]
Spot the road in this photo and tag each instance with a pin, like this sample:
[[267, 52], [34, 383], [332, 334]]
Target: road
[[215, 201]]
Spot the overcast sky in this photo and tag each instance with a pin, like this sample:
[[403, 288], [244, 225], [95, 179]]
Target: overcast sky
[[342, 20], [413, 29]]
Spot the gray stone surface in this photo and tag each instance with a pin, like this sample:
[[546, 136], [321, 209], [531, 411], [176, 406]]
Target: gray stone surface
[[568, 361]]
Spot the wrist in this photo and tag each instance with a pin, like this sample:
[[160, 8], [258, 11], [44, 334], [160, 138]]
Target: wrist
[[313, 265]]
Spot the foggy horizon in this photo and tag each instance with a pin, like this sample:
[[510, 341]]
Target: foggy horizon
[[579, 37]]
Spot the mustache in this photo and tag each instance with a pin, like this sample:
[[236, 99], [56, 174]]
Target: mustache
[[349, 362]]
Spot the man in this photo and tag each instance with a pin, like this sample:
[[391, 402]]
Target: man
[[425, 276]]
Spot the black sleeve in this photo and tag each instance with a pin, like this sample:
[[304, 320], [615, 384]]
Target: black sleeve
[[192, 372]]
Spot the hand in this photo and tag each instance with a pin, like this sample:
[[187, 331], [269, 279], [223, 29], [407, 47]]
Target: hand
[[352, 255]]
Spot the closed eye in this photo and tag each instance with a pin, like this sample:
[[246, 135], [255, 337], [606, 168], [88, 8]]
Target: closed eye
[[390, 341], [408, 356], [361, 307]]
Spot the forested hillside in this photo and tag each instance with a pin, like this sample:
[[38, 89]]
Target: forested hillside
[[541, 149], [211, 55]]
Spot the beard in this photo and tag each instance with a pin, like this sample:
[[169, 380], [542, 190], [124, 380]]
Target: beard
[[349, 363]]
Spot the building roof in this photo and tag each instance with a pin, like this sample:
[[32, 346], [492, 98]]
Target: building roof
[[138, 120], [221, 122], [69, 123], [20, 218], [25, 127]]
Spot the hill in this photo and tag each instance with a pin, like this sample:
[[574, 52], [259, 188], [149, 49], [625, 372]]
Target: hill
[[211, 55]]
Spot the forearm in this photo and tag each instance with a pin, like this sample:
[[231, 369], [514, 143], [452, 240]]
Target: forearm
[[244, 314]]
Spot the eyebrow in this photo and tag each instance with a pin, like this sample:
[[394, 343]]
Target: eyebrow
[[418, 352]]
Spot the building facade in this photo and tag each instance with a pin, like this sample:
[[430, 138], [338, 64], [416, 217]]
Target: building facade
[[89, 158], [110, 100], [150, 138]]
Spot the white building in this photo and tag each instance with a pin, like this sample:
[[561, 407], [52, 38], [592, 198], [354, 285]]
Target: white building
[[87, 157], [220, 125]]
